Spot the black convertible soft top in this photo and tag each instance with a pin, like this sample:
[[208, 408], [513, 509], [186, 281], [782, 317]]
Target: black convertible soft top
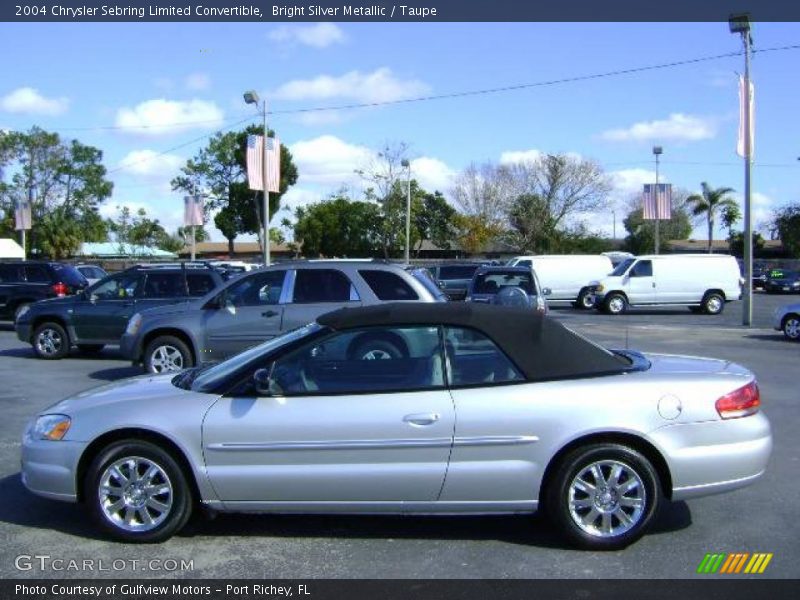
[[541, 347]]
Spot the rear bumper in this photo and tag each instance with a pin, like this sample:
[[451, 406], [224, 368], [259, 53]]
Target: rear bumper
[[715, 456]]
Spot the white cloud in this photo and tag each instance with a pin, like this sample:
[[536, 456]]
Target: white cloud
[[519, 156], [329, 160], [432, 174], [296, 197], [319, 35], [197, 82], [632, 180], [159, 116], [151, 164], [678, 127], [27, 100], [380, 85]]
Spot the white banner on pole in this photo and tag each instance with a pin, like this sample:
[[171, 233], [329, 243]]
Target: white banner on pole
[[23, 215], [740, 142], [192, 210]]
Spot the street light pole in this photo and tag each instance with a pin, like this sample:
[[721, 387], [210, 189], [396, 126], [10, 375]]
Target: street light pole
[[657, 150], [251, 97], [407, 165], [741, 24]]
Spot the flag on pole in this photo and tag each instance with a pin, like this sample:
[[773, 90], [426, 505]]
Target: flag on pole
[[255, 176], [740, 150], [192, 211], [657, 204], [23, 215]]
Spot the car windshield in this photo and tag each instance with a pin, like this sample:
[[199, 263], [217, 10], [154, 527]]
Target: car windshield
[[494, 281], [620, 269], [207, 380]]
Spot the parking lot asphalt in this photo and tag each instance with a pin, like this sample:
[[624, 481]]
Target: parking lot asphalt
[[760, 518]]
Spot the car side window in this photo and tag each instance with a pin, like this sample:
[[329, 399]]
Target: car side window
[[256, 290], [387, 285], [370, 360], [474, 359], [199, 283], [36, 274], [10, 274], [119, 287], [313, 286], [164, 285], [643, 268]]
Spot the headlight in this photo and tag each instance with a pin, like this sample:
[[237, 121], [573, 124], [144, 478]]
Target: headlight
[[134, 324], [51, 427]]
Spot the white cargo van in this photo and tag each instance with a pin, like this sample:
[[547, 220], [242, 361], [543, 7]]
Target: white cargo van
[[567, 275], [700, 281]]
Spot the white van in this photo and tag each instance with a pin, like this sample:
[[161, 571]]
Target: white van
[[700, 281], [567, 275]]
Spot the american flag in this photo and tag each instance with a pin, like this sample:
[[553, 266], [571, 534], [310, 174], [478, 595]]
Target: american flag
[[192, 210], [254, 164], [23, 215], [658, 205]]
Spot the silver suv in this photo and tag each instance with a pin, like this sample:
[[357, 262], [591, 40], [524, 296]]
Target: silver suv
[[260, 305]]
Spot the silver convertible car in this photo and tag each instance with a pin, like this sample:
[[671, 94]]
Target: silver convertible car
[[484, 409]]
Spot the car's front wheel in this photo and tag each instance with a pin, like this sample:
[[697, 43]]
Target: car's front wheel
[[167, 354], [137, 492], [50, 341], [713, 303], [615, 304], [585, 300], [791, 327], [603, 496]]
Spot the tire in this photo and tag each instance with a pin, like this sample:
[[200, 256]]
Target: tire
[[167, 354], [133, 511], [585, 300], [615, 304], [713, 303], [791, 327], [375, 349], [610, 518], [91, 348], [18, 310], [50, 341]]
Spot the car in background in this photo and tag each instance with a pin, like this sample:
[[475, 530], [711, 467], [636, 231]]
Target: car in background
[[98, 315], [782, 281], [760, 272], [568, 275], [476, 417], [263, 304], [24, 282], [426, 278], [787, 319], [508, 286], [455, 278], [93, 273]]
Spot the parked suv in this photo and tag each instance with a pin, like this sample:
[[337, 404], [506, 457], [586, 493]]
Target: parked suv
[[509, 286], [259, 305], [99, 314], [24, 282]]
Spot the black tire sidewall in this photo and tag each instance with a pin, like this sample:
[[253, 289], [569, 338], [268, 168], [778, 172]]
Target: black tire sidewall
[[65, 345], [707, 298], [167, 340], [556, 500], [182, 499]]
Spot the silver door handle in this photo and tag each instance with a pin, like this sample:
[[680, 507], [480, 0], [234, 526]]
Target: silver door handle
[[421, 418]]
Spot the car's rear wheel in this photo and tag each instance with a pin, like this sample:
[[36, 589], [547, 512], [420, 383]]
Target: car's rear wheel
[[713, 303], [50, 341], [615, 304], [791, 327], [137, 492], [585, 300], [167, 354], [603, 496], [90, 348]]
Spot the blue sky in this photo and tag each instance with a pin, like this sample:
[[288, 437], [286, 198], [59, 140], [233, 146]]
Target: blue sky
[[101, 82]]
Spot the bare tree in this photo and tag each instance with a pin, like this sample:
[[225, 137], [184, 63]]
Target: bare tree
[[483, 191]]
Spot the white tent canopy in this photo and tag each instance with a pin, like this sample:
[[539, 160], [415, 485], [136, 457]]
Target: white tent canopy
[[10, 249]]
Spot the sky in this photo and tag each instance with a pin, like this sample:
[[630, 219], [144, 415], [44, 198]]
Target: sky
[[149, 95]]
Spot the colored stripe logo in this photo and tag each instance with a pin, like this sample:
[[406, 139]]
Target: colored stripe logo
[[734, 563]]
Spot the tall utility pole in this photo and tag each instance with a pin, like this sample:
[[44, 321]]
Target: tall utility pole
[[407, 165], [251, 97], [741, 24], [657, 151]]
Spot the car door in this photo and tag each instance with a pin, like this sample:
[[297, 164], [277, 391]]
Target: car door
[[102, 313], [330, 429], [249, 312], [641, 285], [317, 291]]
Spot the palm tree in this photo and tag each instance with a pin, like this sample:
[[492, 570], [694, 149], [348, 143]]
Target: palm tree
[[710, 203]]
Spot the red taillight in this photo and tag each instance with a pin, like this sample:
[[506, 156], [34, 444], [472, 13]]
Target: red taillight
[[60, 289], [740, 403]]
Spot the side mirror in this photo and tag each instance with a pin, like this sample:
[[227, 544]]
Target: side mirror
[[546, 291], [261, 381]]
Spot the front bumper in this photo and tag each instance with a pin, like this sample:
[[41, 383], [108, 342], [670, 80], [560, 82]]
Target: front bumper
[[715, 456], [49, 469]]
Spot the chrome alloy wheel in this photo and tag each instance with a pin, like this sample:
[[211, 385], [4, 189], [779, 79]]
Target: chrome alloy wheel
[[616, 305], [135, 494], [791, 328], [166, 358], [607, 498], [714, 305], [49, 342], [376, 354]]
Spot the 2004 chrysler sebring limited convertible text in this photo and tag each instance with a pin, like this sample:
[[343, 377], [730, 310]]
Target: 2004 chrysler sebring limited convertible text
[[482, 409]]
